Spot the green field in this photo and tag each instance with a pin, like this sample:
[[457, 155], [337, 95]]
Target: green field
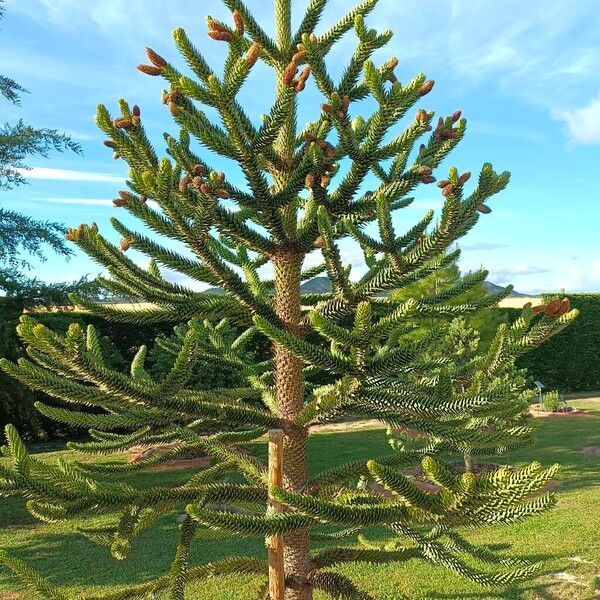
[[566, 540]]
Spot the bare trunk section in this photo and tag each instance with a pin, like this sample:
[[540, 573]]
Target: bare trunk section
[[289, 391]]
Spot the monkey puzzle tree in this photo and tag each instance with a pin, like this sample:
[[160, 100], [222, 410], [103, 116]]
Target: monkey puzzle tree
[[345, 352]]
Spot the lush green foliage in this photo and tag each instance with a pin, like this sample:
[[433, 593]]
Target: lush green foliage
[[343, 353], [57, 550], [552, 401]]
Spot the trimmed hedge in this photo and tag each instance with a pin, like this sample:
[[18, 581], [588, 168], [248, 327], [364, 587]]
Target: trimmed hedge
[[570, 361]]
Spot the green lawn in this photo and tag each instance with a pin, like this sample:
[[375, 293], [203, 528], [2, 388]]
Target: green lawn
[[565, 540]]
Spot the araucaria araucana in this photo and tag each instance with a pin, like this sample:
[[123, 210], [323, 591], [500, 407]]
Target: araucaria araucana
[[346, 352]]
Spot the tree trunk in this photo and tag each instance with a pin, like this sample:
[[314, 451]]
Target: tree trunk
[[289, 393]]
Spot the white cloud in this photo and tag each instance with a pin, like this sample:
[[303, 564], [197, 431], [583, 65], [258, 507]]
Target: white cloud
[[583, 124], [483, 246], [504, 274], [68, 175], [106, 202]]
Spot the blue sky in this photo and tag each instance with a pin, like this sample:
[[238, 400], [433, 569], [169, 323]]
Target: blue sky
[[525, 75]]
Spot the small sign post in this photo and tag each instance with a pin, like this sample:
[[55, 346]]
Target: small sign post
[[540, 386]]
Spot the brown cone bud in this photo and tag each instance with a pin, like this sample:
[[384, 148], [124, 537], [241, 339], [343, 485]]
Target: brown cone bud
[[122, 123], [345, 103], [220, 178], [392, 63], [299, 56], [156, 59], [183, 183], [427, 178], [564, 307], [326, 108], [290, 73], [313, 38], [309, 180], [449, 134], [120, 202], [116, 155], [325, 179], [527, 305], [204, 188], [421, 116], [443, 183], [464, 178], [216, 25], [538, 309], [149, 70], [482, 208], [426, 87], [299, 85], [448, 190], [174, 109], [221, 36], [310, 138], [424, 170], [135, 120], [125, 244], [238, 21], [197, 181], [109, 143], [553, 306], [125, 196], [135, 111], [319, 242], [198, 169], [456, 115], [221, 193], [305, 74], [252, 54]]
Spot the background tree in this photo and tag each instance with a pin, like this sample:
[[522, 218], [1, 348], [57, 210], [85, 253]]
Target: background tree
[[20, 234], [344, 352]]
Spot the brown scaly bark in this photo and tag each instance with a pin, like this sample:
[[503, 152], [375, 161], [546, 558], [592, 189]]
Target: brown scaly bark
[[289, 389]]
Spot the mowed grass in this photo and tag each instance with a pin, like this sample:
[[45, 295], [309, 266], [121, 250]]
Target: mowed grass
[[565, 540]]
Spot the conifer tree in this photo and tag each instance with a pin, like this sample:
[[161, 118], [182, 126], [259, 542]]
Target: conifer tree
[[336, 354]]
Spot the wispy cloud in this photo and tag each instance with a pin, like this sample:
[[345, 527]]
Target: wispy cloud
[[504, 274], [106, 202], [102, 202], [483, 246], [68, 175], [583, 124]]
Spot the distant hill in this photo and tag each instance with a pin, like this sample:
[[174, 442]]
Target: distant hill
[[316, 285], [492, 288], [321, 285]]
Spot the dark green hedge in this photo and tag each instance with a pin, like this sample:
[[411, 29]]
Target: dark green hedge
[[119, 342], [570, 361], [16, 401]]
